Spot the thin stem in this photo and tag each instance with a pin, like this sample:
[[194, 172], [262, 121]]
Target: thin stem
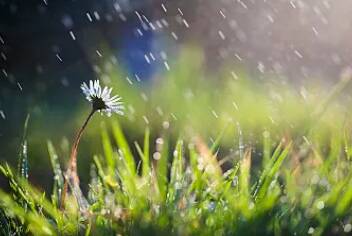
[[71, 172]]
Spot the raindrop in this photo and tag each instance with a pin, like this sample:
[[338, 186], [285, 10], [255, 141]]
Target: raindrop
[[222, 14], [152, 56], [122, 17], [4, 72], [89, 17], [58, 57], [238, 57], [298, 54], [117, 7], [315, 30], [129, 81], [72, 35], [160, 111], [146, 120], [147, 58], [270, 18], [144, 96], [3, 56], [185, 23], [234, 75], [163, 7], [98, 53], [221, 34], [173, 34], [235, 105], [19, 86], [261, 67], [292, 4], [2, 114], [96, 15], [137, 78], [67, 21], [166, 65]]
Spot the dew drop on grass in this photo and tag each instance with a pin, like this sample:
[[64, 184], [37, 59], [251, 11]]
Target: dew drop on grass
[[347, 228], [166, 124], [156, 156], [311, 230], [235, 181], [159, 141], [320, 205]]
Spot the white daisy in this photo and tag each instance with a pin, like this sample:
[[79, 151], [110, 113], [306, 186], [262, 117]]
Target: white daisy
[[101, 99]]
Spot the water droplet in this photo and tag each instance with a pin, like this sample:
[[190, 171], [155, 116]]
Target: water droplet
[[310, 230]]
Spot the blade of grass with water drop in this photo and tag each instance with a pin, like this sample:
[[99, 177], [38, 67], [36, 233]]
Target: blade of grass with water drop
[[123, 145], [270, 174], [144, 155], [244, 178], [23, 165], [161, 169], [176, 174], [108, 151], [58, 176], [146, 165]]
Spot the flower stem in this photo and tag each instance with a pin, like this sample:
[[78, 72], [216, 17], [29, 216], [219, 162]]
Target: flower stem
[[71, 175]]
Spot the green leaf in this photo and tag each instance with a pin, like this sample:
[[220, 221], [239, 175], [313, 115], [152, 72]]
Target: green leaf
[[124, 147]]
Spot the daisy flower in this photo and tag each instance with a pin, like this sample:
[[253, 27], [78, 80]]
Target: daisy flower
[[101, 101], [101, 98]]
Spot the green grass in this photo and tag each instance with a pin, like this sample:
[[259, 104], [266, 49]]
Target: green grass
[[238, 158], [292, 193]]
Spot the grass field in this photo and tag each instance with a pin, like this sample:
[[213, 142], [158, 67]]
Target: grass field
[[200, 156]]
